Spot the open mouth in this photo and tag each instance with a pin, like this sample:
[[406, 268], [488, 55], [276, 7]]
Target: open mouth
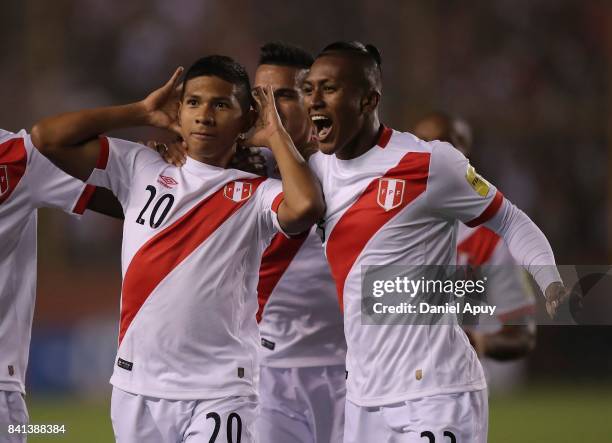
[[323, 125]]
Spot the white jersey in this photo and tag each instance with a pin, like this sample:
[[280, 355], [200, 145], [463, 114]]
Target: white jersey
[[301, 323], [398, 204], [507, 286], [27, 181], [192, 244]]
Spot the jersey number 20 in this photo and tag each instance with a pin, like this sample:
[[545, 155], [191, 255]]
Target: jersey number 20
[[233, 417], [163, 204]]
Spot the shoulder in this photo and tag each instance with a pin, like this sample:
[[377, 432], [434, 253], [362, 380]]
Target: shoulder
[[131, 151], [270, 184], [318, 162], [405, 141], [445, 160], [7, 135]]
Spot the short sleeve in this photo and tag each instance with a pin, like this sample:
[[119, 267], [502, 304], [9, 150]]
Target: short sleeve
[[456, 191], [50, 187], [270, 196], [118, 162]]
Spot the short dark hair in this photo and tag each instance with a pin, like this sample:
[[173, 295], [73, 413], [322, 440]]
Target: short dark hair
[[356, 47], [285, 54], [368, 52], [225, 68]]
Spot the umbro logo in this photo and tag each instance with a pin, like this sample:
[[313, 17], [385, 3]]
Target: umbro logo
[[4, 180], [166, 181]]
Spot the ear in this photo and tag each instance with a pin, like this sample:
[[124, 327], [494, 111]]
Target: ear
[[369, 102]]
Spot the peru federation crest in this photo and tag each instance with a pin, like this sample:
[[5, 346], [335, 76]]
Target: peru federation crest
[[390, 192], [238, 191], [4, 180]]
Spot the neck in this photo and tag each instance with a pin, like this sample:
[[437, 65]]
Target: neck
[[365, 140], [220, 160]]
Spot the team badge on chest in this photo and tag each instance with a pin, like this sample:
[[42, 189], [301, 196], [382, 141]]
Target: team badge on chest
[[390, 192], [238, 191], [4, 179]]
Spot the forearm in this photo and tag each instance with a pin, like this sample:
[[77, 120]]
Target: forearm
[[75, 128], [302, 193], [526, 243]]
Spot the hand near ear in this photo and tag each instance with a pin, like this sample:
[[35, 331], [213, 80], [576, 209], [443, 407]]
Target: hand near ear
[[162, 104], [268, 124]]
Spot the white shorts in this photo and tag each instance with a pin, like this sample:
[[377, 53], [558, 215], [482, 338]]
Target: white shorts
[[142, 419], [302, 405], [448, 418], [13, 411]]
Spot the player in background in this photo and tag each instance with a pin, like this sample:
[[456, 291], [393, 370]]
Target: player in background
[[187, 364], [482, 248], [302, 386], [393, 199], [28, 181]]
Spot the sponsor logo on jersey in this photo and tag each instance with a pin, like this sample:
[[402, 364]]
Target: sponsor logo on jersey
[[166, 181], [268, 344], [480, 185], [390, 192], [237, 191], [124, 364], [4, 179]]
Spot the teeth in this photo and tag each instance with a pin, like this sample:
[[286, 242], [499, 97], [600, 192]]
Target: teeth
[[318, 117]]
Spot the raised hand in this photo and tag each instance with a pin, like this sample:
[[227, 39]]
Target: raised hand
[[556, 294], [174, 153], [268, 123], [161, 105]]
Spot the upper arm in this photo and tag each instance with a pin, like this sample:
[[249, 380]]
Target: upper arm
[[117, 163], [456, 191], [48, 186], [270, 207], [291, 223], [78, 161]]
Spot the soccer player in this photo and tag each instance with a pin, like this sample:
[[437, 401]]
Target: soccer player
[[482, 248], [392, 199], [302, 387], [187, 363], [28, 181]]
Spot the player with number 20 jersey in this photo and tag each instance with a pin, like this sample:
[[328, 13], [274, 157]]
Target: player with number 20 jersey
[[193, 239]]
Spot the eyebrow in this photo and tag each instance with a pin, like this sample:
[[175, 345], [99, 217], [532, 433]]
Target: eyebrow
[[317, 80], [217, 98], [290, 91]]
